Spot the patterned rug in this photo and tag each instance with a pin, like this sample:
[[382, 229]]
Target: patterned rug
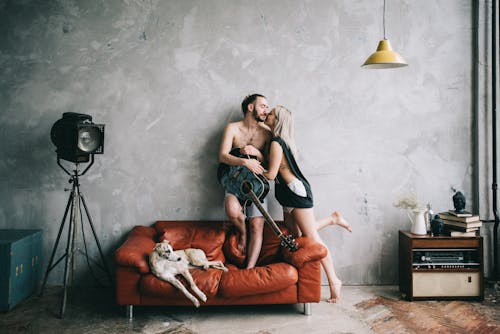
[[386, 315]]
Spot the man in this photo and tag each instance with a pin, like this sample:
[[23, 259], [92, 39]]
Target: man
[[252, 138]]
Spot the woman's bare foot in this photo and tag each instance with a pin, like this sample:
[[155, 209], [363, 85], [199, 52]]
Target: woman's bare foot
[[337, 219], [335, 292]]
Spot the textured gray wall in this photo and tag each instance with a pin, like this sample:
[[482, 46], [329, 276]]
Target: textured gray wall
[[166, 76]]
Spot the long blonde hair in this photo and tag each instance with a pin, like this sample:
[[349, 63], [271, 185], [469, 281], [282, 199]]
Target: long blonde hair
[[283, 127]]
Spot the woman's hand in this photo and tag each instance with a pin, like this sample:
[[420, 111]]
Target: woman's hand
[[253, 165], [250, 150]]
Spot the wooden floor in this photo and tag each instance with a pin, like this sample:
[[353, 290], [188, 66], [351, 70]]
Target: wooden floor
[[397, 316], [362, 309]]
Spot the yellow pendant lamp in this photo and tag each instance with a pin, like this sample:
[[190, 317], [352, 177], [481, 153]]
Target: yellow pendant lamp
[[384, 57]]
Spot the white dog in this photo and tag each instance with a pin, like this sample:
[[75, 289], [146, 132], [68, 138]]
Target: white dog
[[166, 263]]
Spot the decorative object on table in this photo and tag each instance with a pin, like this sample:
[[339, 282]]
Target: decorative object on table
[[468, 219], [464, 213], [416, 213], [451, 233], [460, 225], [436, 226], [459, 202], [409, 202], [429, 215], [418, 225]]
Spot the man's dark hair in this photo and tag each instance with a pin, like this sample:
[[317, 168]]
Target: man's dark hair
[[249, 99]]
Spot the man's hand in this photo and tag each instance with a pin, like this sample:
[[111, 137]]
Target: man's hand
[[253, 165], [250, 150]]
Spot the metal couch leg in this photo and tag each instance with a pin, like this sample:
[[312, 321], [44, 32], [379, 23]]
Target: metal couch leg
[[307, 308], [129, 309]]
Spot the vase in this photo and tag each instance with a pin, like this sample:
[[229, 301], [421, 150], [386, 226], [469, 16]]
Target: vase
[[417, 218]]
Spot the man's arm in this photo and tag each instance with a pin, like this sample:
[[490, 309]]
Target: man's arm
[[229, 159], [226, 146]]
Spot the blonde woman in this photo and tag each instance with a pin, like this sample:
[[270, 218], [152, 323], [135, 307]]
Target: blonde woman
[[293, 191]]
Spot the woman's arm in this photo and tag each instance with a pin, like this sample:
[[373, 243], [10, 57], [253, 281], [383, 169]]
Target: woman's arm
[[252, 150], [275, 156]]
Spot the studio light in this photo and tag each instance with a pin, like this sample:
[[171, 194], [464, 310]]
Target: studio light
[[77, 140], [77, 137]]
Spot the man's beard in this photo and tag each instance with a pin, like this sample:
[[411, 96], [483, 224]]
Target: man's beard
[[256, 117]]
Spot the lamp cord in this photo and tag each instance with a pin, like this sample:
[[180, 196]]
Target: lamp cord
[[383, 20]]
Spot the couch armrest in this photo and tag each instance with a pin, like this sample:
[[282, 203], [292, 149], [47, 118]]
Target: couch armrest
[[309, 251], [134, 252], [307, 261]]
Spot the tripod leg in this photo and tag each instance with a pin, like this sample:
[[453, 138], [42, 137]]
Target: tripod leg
[[70, 250], [96, 238], [49, 266]]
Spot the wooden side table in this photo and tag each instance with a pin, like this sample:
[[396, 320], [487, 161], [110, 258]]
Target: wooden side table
[[440, 267]]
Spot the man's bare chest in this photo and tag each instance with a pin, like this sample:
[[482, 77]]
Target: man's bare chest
[[258, 143], [244, 138]]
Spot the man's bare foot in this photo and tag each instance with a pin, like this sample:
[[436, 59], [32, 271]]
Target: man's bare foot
[[337, 219], [335, 292]]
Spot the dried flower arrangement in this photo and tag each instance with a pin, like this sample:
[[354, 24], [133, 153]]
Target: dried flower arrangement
[[409, 202]]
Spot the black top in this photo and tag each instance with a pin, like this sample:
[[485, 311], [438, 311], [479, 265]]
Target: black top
[[284, 195]]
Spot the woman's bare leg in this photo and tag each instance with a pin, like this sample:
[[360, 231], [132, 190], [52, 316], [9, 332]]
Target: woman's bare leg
[[304, 218], [290, 224], [334, 219]]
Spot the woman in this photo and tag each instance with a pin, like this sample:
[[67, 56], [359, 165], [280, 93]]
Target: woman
[[293, 191]]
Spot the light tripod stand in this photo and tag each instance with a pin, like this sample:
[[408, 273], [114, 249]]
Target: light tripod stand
[[74, 205]]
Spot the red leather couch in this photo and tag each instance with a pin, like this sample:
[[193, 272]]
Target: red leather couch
[[280, 277]]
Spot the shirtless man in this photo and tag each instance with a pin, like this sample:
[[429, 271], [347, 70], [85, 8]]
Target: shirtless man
[[253, 139]]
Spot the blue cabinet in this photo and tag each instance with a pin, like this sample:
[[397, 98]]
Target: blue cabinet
[[20, 265]]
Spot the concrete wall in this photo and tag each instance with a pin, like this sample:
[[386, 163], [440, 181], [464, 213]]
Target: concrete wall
[[166, 76]]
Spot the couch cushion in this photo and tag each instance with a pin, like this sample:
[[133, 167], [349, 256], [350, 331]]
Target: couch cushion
[[269, 253], [134, 252], [259, 280], [205, 235], [231, 252], [206, 280], [271, 246]]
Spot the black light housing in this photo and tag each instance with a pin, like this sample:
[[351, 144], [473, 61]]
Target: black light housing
[[77, 137]]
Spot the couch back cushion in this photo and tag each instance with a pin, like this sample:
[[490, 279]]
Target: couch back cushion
[[206, 235], [269, 253], [271, 246]]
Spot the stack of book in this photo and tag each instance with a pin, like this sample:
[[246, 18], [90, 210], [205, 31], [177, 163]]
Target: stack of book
[[463, 224]]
